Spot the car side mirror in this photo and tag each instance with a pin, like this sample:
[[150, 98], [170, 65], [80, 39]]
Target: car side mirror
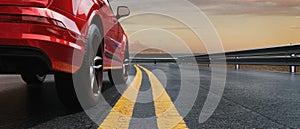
[[122, 11]]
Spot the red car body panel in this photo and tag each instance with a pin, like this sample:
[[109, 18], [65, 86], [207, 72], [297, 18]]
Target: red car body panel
[[59, 29]]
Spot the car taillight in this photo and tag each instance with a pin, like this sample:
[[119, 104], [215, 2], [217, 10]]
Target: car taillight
[[33, 3], [31, 19]]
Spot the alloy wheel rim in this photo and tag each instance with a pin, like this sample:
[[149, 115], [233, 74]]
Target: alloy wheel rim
[[125, 67], [96, 71], [41, 77]]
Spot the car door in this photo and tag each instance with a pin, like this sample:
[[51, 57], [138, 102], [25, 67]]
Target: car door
[[112, 39]]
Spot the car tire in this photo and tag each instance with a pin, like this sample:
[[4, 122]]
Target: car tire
[[120, 76], [33, 79], [82, 89]]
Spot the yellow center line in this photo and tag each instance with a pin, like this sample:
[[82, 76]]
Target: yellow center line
[[166, 112], [120, 115]]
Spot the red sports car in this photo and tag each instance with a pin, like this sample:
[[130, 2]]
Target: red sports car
[[64, 38]]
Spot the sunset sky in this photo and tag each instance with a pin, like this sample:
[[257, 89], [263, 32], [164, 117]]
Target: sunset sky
[[241, 24]]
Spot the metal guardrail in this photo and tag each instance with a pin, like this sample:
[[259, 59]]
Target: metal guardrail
[[277, 56]]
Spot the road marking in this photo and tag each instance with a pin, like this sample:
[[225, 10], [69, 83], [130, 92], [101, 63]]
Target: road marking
[[120, 115], [166, 112]]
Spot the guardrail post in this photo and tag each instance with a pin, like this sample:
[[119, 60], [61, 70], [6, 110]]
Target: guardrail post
[[237, 66], [209, 63], [292, 67]]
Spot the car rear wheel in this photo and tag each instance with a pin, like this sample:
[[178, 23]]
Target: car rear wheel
[[33, 78], [83, 88], [120, 76]]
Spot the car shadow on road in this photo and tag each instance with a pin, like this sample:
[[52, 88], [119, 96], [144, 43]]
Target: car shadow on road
[[24, 106]]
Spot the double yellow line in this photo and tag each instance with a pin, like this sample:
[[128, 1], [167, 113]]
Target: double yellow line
[[166, 113]]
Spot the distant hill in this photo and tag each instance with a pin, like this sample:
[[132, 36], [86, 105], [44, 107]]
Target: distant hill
[[152, 51], [139, 48]]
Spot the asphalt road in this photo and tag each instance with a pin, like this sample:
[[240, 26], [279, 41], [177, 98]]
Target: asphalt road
[[251, 99]]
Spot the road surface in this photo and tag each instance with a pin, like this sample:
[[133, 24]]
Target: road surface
[[251, 99]]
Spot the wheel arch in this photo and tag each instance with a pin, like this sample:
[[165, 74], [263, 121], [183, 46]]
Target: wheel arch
[[98, 22]]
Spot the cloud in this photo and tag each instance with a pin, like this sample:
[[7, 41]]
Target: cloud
[[251, 7], [295, 27]]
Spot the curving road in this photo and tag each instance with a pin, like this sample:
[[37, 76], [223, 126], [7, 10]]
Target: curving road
[[251, 99]]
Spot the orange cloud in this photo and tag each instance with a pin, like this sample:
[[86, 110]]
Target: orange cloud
[[251, 7], [295, 27]]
